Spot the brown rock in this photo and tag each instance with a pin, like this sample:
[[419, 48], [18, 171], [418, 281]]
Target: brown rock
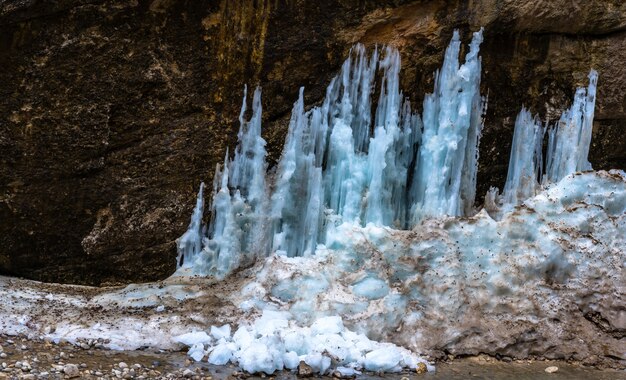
[[421, 368], [304, 370], [112, 113]]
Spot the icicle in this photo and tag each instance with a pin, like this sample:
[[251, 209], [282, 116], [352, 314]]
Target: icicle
[[349, 125], [569, 140], [522, 181], [296, 205], [249, 170], [224, 243], [381, 160], [190, 244], [237, 232], [445, 178], [248, 166]]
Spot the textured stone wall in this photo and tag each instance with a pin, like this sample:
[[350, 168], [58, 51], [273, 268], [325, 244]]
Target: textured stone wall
[[111, 112]]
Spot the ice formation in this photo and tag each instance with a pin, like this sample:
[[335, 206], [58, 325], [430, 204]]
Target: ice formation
[[451, 282], [569, 140], [525, 164], [445, 175], [340, 165], [358, 217], [567, 149], [236, 232]]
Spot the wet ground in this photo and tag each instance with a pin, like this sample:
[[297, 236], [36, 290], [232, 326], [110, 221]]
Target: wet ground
[[22, 358]]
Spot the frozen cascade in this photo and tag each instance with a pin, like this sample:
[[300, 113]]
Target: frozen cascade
[[569, 140], [296, 204], [568, 147], [445, 176], [348, 182], [190, 244], [342, 163], [237, 230], [522, 180]]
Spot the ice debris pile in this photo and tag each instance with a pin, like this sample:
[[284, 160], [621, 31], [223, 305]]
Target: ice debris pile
[[351, 184], [274, 342]]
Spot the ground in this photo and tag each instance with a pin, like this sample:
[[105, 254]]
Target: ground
[[43, 359]]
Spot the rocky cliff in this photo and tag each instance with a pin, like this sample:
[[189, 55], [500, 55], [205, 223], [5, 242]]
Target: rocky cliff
[[112, 111]]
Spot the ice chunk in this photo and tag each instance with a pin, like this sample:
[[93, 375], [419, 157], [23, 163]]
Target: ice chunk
[[270, 322], [318, 362], [382, 359], [327, 325], [220, 332], [257, 358], [347, 372], [192, 338], [196, 352], [291, 360], [242, 337], [221, 354]]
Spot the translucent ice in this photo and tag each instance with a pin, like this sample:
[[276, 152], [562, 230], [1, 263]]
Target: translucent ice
[[343, 162], [237, 232], [569, 140], [444, 182], [567, 150], [190, 244], [525, 163]]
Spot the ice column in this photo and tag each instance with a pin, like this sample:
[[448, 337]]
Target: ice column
[[348, 112], [525, 163], [391, 151], [223, 249], [249, 167], [190, 244], [569, 140], [297, 201], [237, 231], [249, 170], [445, 177]]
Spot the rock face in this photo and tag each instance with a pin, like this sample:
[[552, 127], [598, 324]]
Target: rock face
[[112, 112]]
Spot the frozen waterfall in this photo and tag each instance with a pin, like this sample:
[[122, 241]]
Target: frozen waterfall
[[567, 149], [445, 176], [236, 233], [345, 163], [569, 140], [525, 163]]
